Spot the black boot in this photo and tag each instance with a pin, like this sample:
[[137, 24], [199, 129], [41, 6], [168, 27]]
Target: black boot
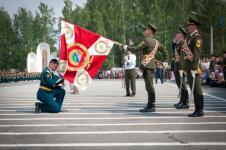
[[38, 106], [148, 109], [184, 100], [179, 103], [151, 103], [198, 99], [196, 114]]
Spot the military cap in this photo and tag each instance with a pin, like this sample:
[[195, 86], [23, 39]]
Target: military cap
[[150, 26], [193, 20], [182, 30]]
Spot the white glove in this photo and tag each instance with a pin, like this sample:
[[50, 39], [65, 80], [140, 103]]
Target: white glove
[[181, 72], [165, 64], [193, 72], [125, 47]]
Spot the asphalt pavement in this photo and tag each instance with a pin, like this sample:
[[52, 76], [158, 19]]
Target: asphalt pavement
[[102, 118]]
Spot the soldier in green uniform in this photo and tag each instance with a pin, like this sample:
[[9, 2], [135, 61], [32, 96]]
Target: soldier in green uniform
[[50, 92], [178, 70], [149, 46], [192, 50]]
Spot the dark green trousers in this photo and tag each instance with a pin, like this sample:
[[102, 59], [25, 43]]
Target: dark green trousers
[[198, 95], [51, 101], [184, 91], [148, 75], [224, 73], [130, 79]]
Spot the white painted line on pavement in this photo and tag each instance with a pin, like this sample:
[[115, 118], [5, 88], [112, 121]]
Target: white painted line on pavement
[[83, 113], [205, 94], [112, 124], [100, 118], [66, 113], [127, 111], [94, 106], [144, 144], [215, 97], [113, 132]]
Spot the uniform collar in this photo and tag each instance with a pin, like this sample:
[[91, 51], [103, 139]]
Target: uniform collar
[[50, 70]]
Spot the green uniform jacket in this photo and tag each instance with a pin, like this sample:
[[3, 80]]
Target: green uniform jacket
[[48, 79], [179, 50], [194, 42], [146, 47]]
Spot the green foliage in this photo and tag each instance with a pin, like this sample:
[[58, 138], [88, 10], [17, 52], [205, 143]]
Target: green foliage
[[119, 20], [23, 33], [7, 41]]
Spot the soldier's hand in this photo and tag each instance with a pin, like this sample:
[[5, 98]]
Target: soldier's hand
[[125, 47], [193, 72], [165, 64]]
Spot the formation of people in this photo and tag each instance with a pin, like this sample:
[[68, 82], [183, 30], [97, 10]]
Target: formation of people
[[187, 65], [7, 77], [187, 61]]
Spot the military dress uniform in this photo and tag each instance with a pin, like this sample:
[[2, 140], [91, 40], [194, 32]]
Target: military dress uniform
[[146, 47], [192, 63], [178, 65], [49, 93]]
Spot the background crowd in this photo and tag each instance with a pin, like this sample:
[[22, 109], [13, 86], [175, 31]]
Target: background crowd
[[6, 77], [213, 73], [214, 70]]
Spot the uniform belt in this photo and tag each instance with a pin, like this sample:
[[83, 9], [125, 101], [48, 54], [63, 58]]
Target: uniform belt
[[45, 88]]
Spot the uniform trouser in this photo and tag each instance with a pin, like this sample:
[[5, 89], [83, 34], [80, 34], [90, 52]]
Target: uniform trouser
[[148, 75], [198, 95], [51, 101], [224, 73], [184, 91], [130, 79]]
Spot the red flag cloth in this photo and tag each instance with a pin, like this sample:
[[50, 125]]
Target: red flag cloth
[[83, 52]]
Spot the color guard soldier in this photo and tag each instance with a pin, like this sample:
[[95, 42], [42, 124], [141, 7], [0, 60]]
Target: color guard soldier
[[149, 47], [192, 65], [178, 69]]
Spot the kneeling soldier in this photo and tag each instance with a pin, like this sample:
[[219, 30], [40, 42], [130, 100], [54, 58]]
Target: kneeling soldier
[[50, 92]]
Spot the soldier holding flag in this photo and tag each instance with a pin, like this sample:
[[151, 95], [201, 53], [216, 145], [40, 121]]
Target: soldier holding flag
[[149, 47]]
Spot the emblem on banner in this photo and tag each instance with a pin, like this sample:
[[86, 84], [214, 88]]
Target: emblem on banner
[[82, 79], [102, 47], [78, 57], [68, 32]]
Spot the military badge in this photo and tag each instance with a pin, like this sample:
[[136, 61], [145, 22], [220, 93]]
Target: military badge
[[78, 57], [198, 43]]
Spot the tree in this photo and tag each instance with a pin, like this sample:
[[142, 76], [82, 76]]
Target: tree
[[7, 42]]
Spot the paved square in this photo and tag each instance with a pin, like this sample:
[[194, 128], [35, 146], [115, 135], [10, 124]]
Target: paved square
[[101, 118]]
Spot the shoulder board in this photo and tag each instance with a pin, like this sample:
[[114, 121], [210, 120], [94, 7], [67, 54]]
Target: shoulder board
[[197, 35]]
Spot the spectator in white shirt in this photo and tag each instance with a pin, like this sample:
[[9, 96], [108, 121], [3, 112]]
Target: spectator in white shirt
[[130, 73]]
